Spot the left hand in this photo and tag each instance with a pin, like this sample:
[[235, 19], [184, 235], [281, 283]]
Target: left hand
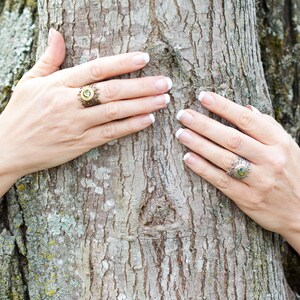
[[270, 195]]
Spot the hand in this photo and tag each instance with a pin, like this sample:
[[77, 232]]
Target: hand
[[45, 125], [270, 195]]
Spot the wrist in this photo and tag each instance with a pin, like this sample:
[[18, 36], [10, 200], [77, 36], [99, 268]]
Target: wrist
[[292, 234], [8, 175], [6, 182]]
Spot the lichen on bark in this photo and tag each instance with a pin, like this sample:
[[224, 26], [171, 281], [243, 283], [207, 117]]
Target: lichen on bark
[[279, 32], [126, 221], [17, 33], [17, 54]]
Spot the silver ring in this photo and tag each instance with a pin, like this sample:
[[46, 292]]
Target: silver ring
[[240, 169]]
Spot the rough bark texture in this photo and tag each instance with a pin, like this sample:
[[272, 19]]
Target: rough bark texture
[[126, 221], [17, 34], [279, 28]]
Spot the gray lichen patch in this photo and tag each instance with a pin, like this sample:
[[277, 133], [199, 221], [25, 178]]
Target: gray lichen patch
[[17, 35], [11, 283], [17, 39]]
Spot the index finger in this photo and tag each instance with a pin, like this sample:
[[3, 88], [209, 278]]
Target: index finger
[[102, 68], [254, 125]]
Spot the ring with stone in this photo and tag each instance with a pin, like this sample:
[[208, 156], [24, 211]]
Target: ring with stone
[[240, 169], [89, 96]]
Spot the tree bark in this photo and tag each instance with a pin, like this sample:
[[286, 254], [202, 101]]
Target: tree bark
[[17, 53], [127, 220]]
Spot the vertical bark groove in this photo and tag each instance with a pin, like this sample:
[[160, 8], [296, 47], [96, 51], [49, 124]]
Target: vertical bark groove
[[127, 221]]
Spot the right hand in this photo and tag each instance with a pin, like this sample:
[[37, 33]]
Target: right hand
[[45, 125]]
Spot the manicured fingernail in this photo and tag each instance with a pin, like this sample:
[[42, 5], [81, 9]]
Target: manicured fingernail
[[184, 116], [168, 98], [162, 99], [206, 98], [50, 36], [179, 132], [141, 59], [183, 135], [149, 119], [253, 109], [152, 118], [188, 158], [164, 84]]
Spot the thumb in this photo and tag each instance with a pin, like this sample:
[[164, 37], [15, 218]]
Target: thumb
[[51, 60]]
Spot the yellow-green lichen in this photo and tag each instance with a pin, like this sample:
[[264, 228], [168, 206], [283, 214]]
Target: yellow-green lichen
[[50, 293]]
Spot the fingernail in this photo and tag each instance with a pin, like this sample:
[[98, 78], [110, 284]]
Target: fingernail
[[50, 36], [179, 132], [253, 109], [206, 98], [164, 84], [141, 59], [162, 99], [152, 118], [168, 98], [188, 158], [148, 119], [183, 135], [184, 116]]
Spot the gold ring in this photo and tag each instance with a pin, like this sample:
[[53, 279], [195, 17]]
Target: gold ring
[[89, 96]]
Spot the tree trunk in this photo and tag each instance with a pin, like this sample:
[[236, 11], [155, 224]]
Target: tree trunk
[[127, 220]]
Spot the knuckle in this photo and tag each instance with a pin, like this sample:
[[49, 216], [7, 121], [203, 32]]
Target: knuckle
[[255, 201], [109, 132], [112, 111], [234, 141], [205, 125], [223, 181], [62, 77], [225, 108], [245, 120], [268, 187], [285, 142], [95, 70], [227, 161], [280, 163], [109, 89], [119, 62]]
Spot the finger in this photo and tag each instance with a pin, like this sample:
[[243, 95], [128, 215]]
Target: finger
[[103, 134], [252, 124], [101, 114], [120, 89], [51, 60], [228, 137], [267, 117], [220, 157], [218, 178], [102, 68]]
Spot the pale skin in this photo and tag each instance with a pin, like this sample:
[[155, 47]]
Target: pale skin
[[44, 125], [270, 195]]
